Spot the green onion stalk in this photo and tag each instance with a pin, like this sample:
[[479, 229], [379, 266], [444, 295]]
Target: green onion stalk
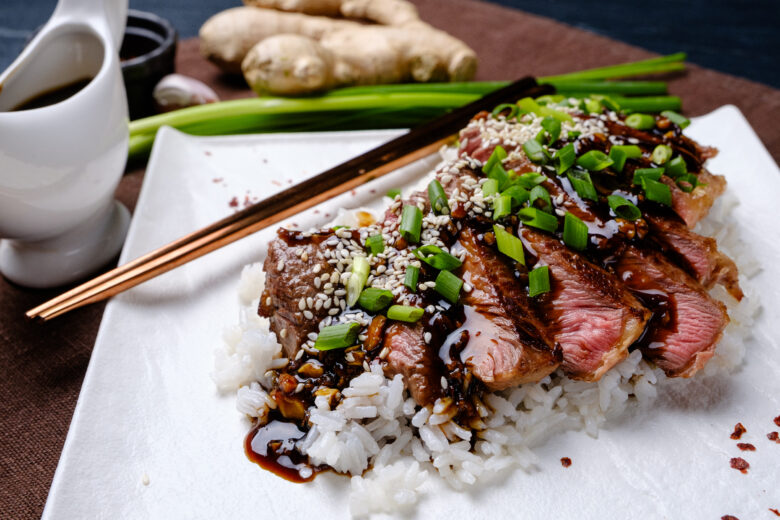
[[399, 106]]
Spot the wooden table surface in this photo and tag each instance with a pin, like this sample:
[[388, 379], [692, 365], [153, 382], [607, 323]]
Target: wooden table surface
[[43, 364]]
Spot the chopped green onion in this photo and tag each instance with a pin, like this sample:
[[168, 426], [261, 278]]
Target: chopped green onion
[[489, 187], [661, 154], [582, 184], [537, 218], [509, 244], [623, 207], [360, 270], [548, 99], [565, 158], [575, 232], [502, 206], [410, 277], [619, 153], [518, 194], [676, 167], [678, 119], [448, 285], [534, 151], [393, 193], [405, 312], [540, 136], [375, 244], [342, 335], [498, 173], [411, 224], [531, 106], [657, 191], [647, 173], [437, 197], [374, 299], [498, 155], [611, 103], [530, 179], [539, 193], [641, 121], [336, 228], [553, 128], [436, 258], [593, 106], [539, 281], [573, 134], [594, 160], [513, 110], [687, 182]]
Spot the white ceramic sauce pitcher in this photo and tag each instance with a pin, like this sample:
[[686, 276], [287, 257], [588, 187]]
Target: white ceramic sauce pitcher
[[60, 164]]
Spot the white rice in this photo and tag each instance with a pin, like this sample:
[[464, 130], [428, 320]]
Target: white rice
[[378, 424]]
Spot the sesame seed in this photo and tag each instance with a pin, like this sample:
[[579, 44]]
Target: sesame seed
[[308, 314], [299, 355], [312, 336], [333, 312], [427, 337], [283, 333], [302, 304], [384, 353], [268, 301], [305, 256], [280, 265], [467, 287], [309, 302]]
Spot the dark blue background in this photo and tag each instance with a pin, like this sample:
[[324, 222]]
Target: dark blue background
[[738, 37]]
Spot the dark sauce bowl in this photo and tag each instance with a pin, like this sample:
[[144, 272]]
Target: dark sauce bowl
[[147, 54]]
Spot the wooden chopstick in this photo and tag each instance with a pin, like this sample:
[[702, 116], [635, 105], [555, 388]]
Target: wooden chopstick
[[412, 146]]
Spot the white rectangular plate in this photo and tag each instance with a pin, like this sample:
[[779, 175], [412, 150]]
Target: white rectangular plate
[[152, 438]]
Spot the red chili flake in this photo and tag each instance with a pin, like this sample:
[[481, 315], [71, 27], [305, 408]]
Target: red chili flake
[[316, 211], [775, 511], [746, 446], [740, 464], [738, 431], [372, 190], [728, 517], [289, 181], [777, 420], [233, 202], [215, 180], [774, 436], [565, 462], [327, 215], [207, 153], [276, 183], [353, 192]]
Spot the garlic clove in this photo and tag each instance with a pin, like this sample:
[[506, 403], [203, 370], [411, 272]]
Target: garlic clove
[[176, 91]]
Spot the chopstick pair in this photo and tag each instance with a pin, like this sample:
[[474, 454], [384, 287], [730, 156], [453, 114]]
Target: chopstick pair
[[412, 146]]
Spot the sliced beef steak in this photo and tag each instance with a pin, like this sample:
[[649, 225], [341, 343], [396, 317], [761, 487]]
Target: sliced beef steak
[[289, 279], [411, 357], [698, 254], [687, 322], [509, 345], [591, 314], [694, 206]]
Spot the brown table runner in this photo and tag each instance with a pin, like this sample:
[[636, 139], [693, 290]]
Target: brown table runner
[[42, 365]]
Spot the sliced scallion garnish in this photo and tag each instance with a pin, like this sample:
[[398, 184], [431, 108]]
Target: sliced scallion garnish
[[539, 193], [360, 270], [437, 197], [619, 153], [657, 191], [678, 119], [647, 173], [448, 285], [498, 155], [436, 257], [687, 182], [534, 151], [375, 244], [582, 184], [539, 281], [593, 106], [537, 218], [575, 232], [393, 193], [411, 276], [518, 194], [509, 244], [530, 179], [342, 335], [661, 154], [640, 121], [498, 173], [489, 187], [623, 208], [553, 128], [513, 110], [502, 206], [411, 224], [374, 299], [676, 167], [565, 158], [594, 160], [405, 312]]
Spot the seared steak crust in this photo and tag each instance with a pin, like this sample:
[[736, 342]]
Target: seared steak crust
[[411, 357]]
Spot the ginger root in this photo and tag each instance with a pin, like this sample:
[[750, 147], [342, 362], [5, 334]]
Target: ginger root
[[290, 53]]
